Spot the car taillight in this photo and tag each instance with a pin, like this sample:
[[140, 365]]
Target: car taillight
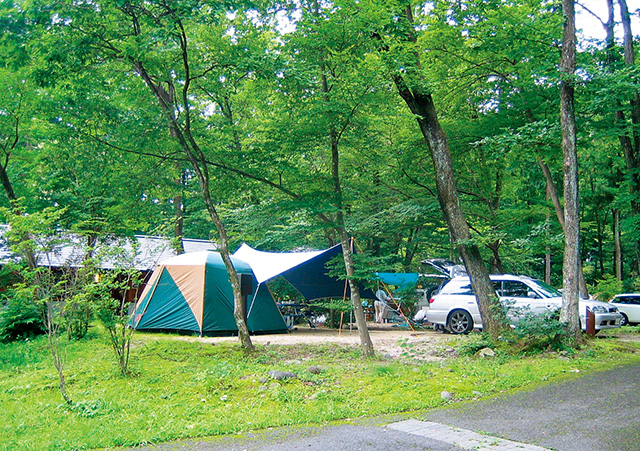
[[431, 300]]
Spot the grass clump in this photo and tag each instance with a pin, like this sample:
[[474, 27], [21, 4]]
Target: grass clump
[[184, 388]]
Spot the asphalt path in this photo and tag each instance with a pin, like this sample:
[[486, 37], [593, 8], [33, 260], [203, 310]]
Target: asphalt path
[[598, 412], [595, 412]]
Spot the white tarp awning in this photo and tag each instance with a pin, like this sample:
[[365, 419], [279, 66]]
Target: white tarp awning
[[267, 265]]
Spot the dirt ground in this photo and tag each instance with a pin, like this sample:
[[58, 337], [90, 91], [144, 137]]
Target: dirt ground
[[388, 340]]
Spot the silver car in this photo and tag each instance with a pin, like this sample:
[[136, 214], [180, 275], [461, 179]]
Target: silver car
[[456, 309]]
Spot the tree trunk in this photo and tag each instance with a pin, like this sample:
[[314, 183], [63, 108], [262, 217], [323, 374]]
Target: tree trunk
[[338, 201], [178, 228], [547, 255], [7, 185], [496, 261], [178, 210], [600, 226], [56, 348], [629, 142], [356, 301], [555, 199], [239, 307], [493, 316], [617, 259], [547, 265], [411, 247], [570, 270]]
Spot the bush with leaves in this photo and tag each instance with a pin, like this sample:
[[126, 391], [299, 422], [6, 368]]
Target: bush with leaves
[[20, 316], [38, 287], [536, 333], [76, 317], [108, 295]]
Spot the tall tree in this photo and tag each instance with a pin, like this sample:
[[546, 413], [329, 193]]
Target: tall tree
[[340, 224], [154, 43], [414, 92], [630, 133], [323, 65], [570, 270], [560, 214]]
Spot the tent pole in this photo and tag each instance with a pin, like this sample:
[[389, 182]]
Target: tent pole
[[253, 300]]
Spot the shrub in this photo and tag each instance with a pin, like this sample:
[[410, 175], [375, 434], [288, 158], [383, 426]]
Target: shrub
[[536, 333], [76, 317], [20, 316], [111, 312]]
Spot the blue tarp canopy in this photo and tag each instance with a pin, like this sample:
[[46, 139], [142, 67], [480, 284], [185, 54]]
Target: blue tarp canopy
[[402, 280]]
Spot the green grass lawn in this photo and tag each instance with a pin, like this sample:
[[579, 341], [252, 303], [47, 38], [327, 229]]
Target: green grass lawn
[[186, 389]]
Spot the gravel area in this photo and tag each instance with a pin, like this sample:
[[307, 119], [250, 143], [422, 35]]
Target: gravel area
[[388, 340]]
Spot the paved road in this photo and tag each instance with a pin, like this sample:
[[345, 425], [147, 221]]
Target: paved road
[[597, 412]]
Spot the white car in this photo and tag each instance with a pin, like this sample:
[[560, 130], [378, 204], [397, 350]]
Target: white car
[[455, 307], [629, 306]]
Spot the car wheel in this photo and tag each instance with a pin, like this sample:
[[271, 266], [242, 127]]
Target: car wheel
[[460, 322], [624, 320]]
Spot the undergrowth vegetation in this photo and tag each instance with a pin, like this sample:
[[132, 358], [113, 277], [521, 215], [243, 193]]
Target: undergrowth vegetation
[[181, 388]]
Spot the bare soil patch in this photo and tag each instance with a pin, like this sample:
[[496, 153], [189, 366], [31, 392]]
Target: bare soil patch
[[389, 341]]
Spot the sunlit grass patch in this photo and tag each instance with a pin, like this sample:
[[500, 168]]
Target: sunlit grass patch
[[185, 388]]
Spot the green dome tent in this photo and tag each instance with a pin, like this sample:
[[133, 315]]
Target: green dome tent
[[192, 293]]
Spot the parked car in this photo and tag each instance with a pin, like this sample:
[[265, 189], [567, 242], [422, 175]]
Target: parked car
[[455, 307], [629, 306]]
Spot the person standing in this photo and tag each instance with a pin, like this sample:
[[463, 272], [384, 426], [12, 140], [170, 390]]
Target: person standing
[[381, 305]]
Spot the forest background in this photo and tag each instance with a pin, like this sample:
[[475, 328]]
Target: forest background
[[293, 121]]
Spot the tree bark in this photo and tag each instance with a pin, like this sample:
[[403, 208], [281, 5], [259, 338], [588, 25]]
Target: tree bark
[[547, 266], [496, 261], [547, 255], [356, 301], [555, 199], [7, 185], [421, 105], [570, 270], [632, 144], [178, 210], [617, 259]]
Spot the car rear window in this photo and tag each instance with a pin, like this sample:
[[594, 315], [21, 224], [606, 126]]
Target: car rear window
[[464, 287], [457, 287]]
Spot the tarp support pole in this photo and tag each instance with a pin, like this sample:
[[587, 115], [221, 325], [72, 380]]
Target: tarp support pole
[[253, 300], [386, 288]]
